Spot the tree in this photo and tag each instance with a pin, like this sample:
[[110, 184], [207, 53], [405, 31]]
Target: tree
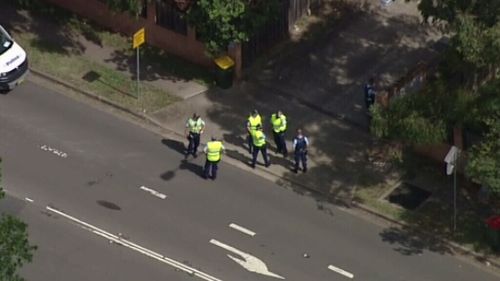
[[465, 93], [423, 118], [222, 22], [15, 249], [483, 165], [475, 29]]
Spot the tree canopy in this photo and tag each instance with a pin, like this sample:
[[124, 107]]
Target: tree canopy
[[466, 92], [15, 249]]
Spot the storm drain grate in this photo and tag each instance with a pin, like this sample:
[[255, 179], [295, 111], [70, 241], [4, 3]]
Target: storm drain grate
[[408, 196]]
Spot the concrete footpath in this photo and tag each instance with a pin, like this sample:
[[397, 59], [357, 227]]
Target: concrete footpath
[[319, 88]]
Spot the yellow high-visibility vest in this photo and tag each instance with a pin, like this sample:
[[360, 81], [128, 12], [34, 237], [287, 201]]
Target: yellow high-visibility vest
[[259, 139], [279, 123], [254, 122], [214, 151], [195, 126]]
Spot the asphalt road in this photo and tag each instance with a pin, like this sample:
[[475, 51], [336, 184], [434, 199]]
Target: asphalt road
[[89, 167], [66, 252]]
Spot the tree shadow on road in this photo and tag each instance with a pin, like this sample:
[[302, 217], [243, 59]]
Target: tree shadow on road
[[49, 24]]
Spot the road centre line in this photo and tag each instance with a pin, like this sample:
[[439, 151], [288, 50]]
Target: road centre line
[[136, 247], [242, 229], [28, 199], [341, 271], [154, 192]]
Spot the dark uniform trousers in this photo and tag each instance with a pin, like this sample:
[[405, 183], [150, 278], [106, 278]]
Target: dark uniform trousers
[[194, 142], [210, 169], [279, 140], [300, 154], [250, 143], [255, 153]]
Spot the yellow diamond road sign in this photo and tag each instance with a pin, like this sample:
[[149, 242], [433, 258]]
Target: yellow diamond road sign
[[139, 38]]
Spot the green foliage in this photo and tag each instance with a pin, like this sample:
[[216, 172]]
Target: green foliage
[[475, 29], [470, 40], [483, 165], [221, 22], [484, 11], [218, 22], [415, 118], [422, 118], [15, 249]]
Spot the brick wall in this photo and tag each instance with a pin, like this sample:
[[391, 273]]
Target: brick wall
[[186, 47]]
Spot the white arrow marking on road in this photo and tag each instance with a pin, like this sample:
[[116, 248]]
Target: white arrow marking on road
[[242, 229], [154, 192], [341, 271], [249, 262]]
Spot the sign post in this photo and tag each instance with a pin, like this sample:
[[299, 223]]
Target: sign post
[[451, 163], [138, 39]]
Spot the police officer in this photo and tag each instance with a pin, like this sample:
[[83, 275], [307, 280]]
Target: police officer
[[300, 144], [194, 128], [278, 120], [259, 144], [253, 121], [370, 92], [213, 150]]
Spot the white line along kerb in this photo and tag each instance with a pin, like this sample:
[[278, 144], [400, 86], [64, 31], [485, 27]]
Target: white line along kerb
[[341, 271], [137, 248], [154, 192], [242, 229]]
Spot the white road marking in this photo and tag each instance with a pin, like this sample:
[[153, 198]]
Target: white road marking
[[154, 192], [250, 262], [136, 247], [54, 151], [242, 229], [28, 199], [341, 271]]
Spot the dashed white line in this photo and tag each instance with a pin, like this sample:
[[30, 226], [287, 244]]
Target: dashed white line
[[28, 199], [136, 247], [341, 271], [242, 229], [154, 192]]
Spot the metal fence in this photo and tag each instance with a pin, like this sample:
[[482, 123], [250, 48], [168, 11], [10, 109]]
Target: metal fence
[[168, 16], [276, 30]]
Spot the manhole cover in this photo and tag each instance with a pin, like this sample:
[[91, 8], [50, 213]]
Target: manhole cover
[[408, 196]]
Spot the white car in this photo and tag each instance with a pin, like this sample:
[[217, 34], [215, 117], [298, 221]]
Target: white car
[[13, 62]]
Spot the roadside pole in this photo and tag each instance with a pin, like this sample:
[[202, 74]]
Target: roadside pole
[[455, 194], [451, 160], [139, 39], [138, 74]]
